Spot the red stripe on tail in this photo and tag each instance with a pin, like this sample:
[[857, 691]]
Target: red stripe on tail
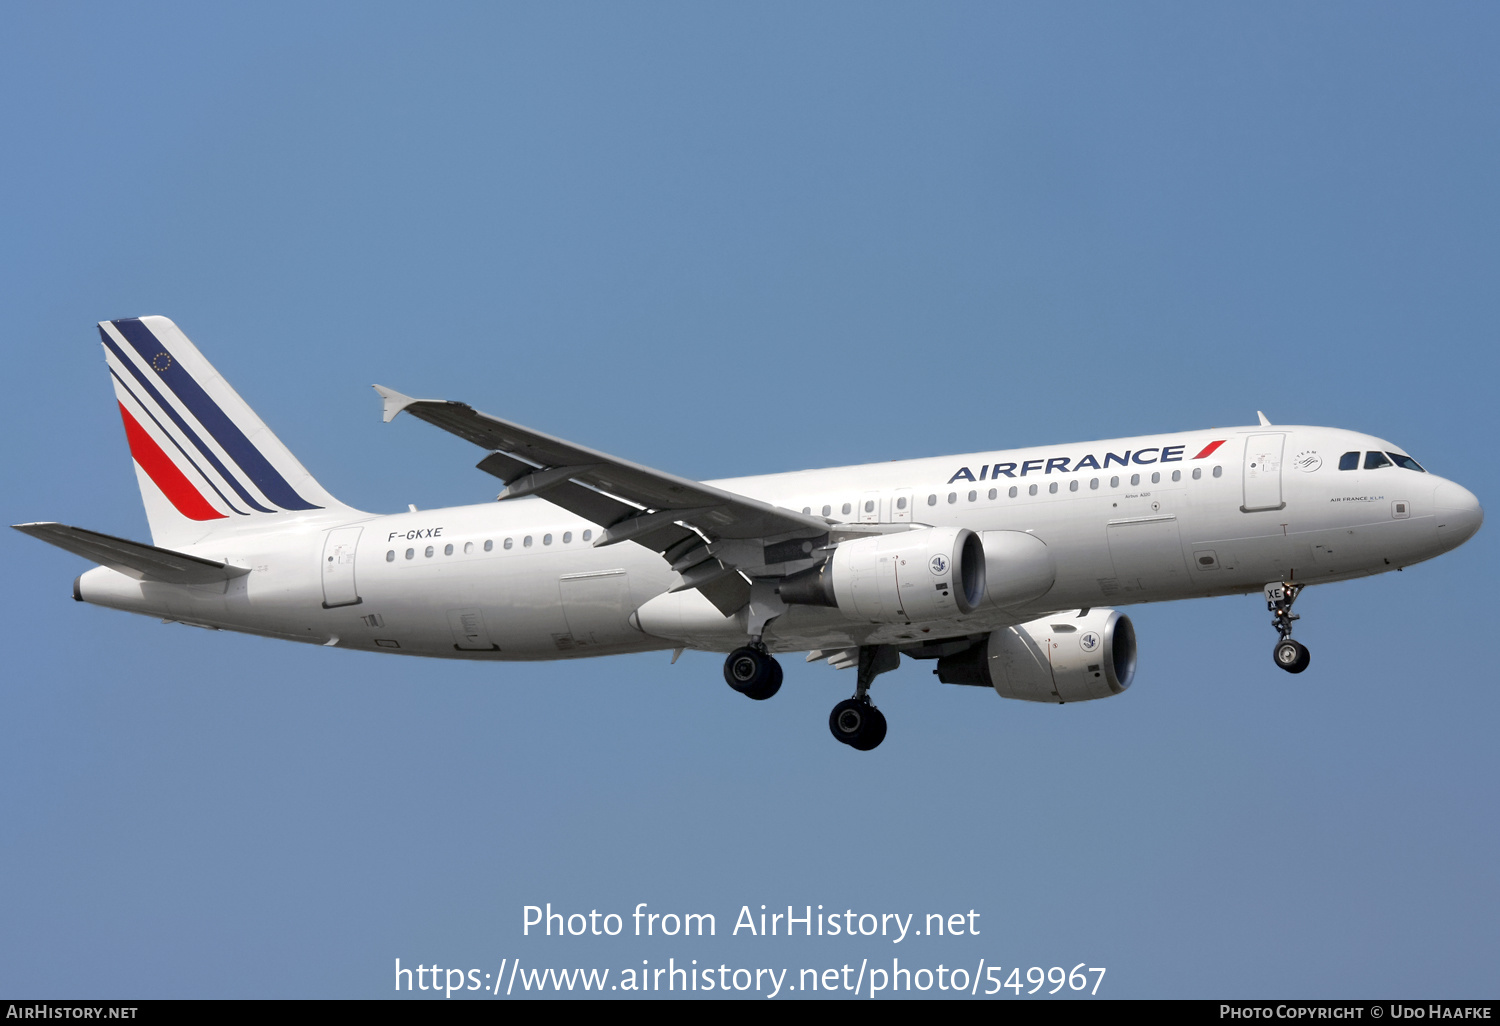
[[160, 468], [1208, 450]]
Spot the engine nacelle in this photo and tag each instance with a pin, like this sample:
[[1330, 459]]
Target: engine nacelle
[[929, 574], [1019, 568], [1054, 659]]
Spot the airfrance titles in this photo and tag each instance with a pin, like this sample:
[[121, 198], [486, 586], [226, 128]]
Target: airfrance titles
[[1068, 464]]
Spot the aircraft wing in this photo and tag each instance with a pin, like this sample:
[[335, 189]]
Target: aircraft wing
[[724, 531], [133, 559]]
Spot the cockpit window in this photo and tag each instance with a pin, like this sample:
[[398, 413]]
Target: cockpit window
[[1406, 462], [1349, 461], [1375, 460]]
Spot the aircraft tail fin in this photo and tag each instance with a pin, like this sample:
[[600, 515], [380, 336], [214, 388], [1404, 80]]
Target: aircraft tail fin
[[204, 460]]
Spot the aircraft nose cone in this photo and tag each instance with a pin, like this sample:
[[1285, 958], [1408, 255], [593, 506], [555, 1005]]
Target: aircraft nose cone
[[1458, 514]]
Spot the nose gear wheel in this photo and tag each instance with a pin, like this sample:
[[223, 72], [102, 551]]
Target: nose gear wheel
[[1291, 656]]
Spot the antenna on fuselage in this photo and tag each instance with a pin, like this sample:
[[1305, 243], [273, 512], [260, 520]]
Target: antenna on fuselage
[[1263, 421]]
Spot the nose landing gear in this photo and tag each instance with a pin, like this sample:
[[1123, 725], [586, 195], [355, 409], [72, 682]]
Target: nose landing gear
[[1291, 656]]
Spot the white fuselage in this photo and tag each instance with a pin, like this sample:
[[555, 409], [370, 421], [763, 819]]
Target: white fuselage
[[1127, 521]]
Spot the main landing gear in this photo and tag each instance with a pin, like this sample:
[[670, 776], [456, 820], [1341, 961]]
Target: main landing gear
[[753, 672], [855, 721], [1291, 656]]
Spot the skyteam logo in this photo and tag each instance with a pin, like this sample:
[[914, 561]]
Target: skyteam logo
[[1307, 461], [1069, 464], [1090, 641], [938, 565]]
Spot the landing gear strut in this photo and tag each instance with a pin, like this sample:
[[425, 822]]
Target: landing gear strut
[[855, 721], [753, 672], [1291, 656]]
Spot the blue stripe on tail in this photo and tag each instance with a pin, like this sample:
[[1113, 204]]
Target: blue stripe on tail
[[182, 426], [173, 439], [224, 431]]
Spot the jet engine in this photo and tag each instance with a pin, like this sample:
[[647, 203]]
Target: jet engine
[[928, 574], [1055, 659]]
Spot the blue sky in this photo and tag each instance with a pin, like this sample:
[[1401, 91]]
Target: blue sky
[[729, 240]]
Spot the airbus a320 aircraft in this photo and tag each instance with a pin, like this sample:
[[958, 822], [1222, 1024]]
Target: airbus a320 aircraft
[[999, 566]]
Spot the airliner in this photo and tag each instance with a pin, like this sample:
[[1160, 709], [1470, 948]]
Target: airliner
[[1003, 568]]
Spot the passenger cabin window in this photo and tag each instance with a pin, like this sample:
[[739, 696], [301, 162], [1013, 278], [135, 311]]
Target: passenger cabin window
[[1114, 482], [448, 550], [847, 508], [1013, 492], [1349, 461], [932, 500], [1073, 485], [468, 547], [827, 510], [1031, 490], [390, 557], [973, 496], [1406, 462], [546, 539], [1135, 479], [1094, 485], [1052, 488], [952, 498], [1156, 478], [1376, 460], [509, 542], [869, 505], [994, 492], [589, 534], [1218, 472], [1197, 473], [1176, 475], [567, 537], [806, 510], [489, 545], [410, 553], [901, 502], [428, 553]]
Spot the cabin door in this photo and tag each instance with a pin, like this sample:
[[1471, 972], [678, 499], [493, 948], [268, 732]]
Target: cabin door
[[338, 567], [1263, 472]]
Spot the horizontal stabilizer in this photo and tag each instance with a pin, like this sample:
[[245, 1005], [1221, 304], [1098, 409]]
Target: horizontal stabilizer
[[133, 559]]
